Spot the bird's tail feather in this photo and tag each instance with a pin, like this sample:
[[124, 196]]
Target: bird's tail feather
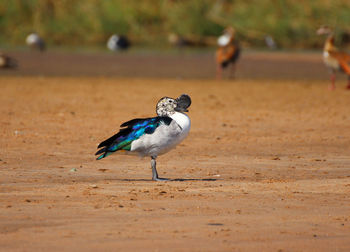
[[103, 155], [101, 151]]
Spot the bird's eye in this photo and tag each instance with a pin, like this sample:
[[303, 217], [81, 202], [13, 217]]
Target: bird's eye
[[170, 101]]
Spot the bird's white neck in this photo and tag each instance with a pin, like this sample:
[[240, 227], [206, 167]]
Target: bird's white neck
[[182, 120]]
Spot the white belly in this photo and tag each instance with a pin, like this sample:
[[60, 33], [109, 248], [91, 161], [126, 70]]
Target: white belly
[[330, 61], [164, 138]]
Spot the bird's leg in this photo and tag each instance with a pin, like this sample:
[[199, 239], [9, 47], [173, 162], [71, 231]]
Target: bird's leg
[[348, 86], [332, 86], [232, 71], [154, 171], [218, 72]]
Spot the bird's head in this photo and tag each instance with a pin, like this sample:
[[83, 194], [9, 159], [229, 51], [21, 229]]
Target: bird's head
[[324, 30], [167, 106]]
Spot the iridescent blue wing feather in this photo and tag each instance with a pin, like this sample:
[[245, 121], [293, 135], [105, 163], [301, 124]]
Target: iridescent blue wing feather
[[132, 130]]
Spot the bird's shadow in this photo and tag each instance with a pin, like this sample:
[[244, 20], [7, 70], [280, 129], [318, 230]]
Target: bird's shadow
[[193, 179], [168, 180]]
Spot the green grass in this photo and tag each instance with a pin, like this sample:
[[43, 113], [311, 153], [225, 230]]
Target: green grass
[[148, 22]]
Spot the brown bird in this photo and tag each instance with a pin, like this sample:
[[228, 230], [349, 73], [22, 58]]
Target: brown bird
[[7, 62], [334, 59], [227, 53]]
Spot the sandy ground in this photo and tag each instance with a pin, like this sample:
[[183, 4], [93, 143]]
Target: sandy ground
[[265, 167]]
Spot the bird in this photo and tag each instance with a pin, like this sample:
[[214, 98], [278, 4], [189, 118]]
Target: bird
[[118, 42], [270, 42], [152, 136], [179, 41], [228, 51], [7, 61], [34, 41], [334, 59]]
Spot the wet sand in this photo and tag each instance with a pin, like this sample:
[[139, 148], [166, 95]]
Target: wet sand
[[182, 64]]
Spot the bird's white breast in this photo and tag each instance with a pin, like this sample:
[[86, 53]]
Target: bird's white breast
[[32, 39], [112, 43], [183, 121], [164, 138], [224, 40], [330, 61]]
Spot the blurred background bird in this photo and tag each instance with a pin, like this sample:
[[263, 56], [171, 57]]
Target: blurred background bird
[[334, 59], [118, 42], [7, 61], [227, 53], [178, 41], [34, 41], [270, 42]]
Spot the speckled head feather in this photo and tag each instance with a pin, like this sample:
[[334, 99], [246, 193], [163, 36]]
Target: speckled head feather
[[166, 106]]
